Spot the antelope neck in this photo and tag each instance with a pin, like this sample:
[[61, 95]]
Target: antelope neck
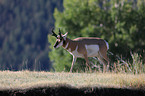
[[69, 45]]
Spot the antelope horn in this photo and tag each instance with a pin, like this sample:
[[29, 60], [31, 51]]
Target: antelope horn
[[60, 34], [53, 34]]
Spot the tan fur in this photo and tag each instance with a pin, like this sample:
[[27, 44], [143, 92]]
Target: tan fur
[[81, 42], [77, 48]]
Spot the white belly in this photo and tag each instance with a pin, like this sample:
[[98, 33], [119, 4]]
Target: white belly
[[92, 50]]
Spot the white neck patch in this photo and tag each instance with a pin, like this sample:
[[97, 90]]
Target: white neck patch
[[66, 46]]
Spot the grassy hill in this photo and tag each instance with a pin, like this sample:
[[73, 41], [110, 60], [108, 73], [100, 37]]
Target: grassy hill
[[31, 83], [30, 79]]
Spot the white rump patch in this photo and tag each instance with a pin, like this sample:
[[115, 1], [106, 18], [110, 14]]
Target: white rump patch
[[92, 50], [107, 44]]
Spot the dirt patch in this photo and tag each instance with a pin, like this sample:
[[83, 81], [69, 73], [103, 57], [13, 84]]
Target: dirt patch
[[70, 91]]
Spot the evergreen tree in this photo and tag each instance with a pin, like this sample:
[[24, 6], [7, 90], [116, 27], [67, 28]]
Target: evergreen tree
[[24, 25], [121, 23]]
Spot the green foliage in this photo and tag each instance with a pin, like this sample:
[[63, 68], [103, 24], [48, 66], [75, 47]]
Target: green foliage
[[121, 23]]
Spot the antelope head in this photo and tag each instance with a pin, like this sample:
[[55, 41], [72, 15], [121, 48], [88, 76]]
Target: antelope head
[[60, 39]]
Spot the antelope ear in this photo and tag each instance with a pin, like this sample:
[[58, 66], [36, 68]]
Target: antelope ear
[[65, 35]]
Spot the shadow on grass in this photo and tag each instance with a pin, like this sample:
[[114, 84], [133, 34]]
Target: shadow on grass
[[70, 91]]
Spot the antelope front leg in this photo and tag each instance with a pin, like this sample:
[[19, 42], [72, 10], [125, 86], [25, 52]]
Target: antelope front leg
[[73, 62]]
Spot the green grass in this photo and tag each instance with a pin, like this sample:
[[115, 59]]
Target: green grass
[[29, 79]]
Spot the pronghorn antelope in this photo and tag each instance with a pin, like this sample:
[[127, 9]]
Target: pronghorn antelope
[[83, 47]]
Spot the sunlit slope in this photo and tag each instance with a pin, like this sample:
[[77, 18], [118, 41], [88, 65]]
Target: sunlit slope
[[29, 79]]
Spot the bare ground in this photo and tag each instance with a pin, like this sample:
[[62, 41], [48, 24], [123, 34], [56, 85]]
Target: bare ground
[[72, 91]]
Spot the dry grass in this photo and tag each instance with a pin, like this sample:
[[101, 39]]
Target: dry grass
[[29, 79]]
